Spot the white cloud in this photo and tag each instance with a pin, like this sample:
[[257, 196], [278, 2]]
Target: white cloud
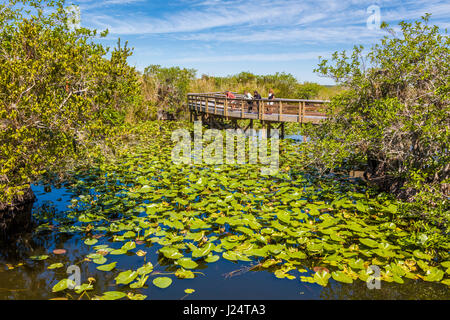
[[190, 20], [310, 35], [255, 57]]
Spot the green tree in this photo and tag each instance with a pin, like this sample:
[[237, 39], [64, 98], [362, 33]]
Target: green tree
[[284, 84], [394, 114], [58, 90], [308, 90], [170, 87]]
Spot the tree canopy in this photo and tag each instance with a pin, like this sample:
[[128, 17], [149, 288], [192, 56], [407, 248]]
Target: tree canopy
[[58, 89], [394, 113]]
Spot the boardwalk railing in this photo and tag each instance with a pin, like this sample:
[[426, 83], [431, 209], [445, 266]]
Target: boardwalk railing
[[276, 110]]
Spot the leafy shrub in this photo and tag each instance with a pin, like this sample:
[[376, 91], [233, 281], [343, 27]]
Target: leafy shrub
[[166, 88], [58, 91], [394, 114]]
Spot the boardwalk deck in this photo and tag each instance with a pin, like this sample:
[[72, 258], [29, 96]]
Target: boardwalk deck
[[276, 110]]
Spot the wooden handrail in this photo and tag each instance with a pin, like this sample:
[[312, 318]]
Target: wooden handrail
[[262, 99], [277, 110]]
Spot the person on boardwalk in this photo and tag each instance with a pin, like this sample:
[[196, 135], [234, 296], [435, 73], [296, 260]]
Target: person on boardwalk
[[257, 97], [271, 96], [231, 96], [248, 96]]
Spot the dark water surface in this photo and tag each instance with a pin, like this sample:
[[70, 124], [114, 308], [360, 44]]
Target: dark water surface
[[23, 278]]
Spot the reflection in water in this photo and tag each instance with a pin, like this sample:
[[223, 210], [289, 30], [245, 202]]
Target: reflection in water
[[411, 289]]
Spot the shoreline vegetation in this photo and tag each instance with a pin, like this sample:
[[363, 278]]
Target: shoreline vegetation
[[68, 105]]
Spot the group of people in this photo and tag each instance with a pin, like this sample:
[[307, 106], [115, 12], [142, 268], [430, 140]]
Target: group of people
[[251, 98]]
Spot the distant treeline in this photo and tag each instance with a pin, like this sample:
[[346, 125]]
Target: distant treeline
[[165, 89]]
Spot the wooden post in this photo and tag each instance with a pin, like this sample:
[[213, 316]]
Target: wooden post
[[303, 111], [242, 108], [299, 112], [215, 105], [226, 107], [261, 107], [259, 110], [280, 112], [207, 105]]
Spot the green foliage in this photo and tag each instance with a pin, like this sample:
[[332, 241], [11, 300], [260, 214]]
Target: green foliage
[[167, 88], [58, 91], [308, 90], [285, 85], [394, 115]]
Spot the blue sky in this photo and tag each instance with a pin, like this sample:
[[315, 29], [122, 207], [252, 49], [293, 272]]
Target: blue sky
[[261, 36]]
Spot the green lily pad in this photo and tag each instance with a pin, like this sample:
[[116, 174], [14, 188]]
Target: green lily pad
[[126, 277], [90, 242], [322, 278], [42, 257], [203, 251], [341, 277], [107, 267], [63, 285], [184, 274], [162, 282], [212, 258], [84, 287], [113, 295], [422, 255], [100, 260], [171, 253], [145, 269], [369, 242], [434, 274], [187, 263], [129, 246]]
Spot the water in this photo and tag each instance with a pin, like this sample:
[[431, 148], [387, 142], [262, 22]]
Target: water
[[221, 280]]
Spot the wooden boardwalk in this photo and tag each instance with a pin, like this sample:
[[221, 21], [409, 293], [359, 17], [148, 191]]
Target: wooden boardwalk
[[265, 110]]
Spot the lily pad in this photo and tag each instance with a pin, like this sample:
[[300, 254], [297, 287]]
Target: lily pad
[[63, 285], [107, 267], [113, 295], [162, 282], [341, 277], [126, 277], [90, 242], [187, 263]]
